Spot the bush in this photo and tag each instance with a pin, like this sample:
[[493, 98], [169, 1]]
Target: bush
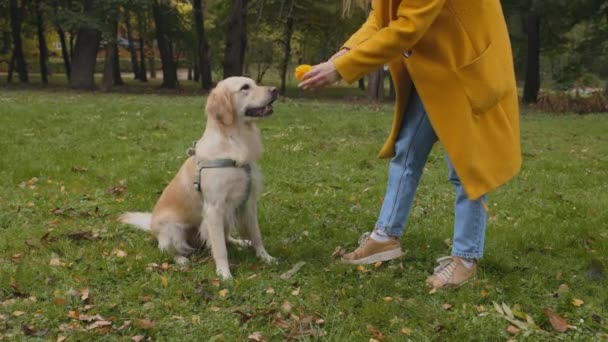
[[563, 102]]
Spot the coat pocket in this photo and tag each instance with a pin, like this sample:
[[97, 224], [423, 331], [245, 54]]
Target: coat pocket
[[485, 80]]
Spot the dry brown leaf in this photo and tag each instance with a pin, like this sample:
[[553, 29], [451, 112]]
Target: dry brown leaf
[[256, 337], [99, 324], [433, 290], [557, 322], [31, 331], [215, 282], [223, 293], [295, 292], [484, 293], [137, 338], [145, 323], [119, 253], [361, 268], [56, 262], [577, 302], [377, 265], [388, 299], [164, 281], [406, 331], [286, 306], [196, 319], [60, 338], [513, 330], [74, 314], [446, 306], [125, 325], [293, 270], [270, 291], [18, 313], [84, 294], [375, 333], [215, 309]]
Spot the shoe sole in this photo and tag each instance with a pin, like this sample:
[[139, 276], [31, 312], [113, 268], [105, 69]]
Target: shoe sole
[[374, 258]]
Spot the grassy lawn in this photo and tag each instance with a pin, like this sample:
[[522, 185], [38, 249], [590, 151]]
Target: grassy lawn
[[71, 162]]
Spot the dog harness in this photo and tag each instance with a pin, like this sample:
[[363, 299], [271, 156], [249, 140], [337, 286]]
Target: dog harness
[[215, 164]]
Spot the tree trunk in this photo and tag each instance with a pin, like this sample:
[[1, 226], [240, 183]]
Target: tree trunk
[[362, 83], [197, 71], [108, 73], [203, 65], [11, 68], [64, 51], [117, 77], [236, 39], [532, 83], [16, 14], [287, 45], [375, 86], [85, 53], [143, 75], [391, 91], [42, 48], [134, 64], [164, 45]]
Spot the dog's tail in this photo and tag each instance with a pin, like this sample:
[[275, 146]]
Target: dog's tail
[[142, 221]]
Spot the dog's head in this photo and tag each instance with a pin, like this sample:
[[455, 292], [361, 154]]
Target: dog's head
[[240, 98]]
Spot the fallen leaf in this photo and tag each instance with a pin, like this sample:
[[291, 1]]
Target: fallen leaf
[[215, 282], [145, 323], [223, 293], [119, 253], [280, 322], [18, 313], [563, 288], [215, 309], [361, 268], [377, 265], [446, 306], [577, 302], [60, 338], [513, 330], [286, 306], [31, 331], [196, 319], [557, 322], [406, 331], [256, 337], [124, 325], [295, 292], [137, 338], [270, 290], [74, 314], [116, 190], [447, 243], [56, 262], [17, 257], [84, 294], [293, 270], [375, 333], [484, 293], [388, 299], [338, 252], [82, 235], [99, 324], [164, 281], [433, 290]]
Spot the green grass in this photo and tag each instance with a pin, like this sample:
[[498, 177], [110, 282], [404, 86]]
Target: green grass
[[324, 187]]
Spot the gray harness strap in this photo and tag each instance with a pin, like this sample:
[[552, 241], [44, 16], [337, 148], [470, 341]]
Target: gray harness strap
[[216, 164]]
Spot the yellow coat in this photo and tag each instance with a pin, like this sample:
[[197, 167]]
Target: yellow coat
[[458, 55]]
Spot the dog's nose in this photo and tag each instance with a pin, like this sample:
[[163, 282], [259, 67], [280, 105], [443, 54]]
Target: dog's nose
[[274, 91]]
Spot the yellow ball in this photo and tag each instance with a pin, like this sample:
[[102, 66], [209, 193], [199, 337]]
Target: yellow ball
[[301, 70]]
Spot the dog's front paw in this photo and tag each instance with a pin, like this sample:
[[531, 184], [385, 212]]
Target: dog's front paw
[[240, 243], [267, 258], [224, 273]]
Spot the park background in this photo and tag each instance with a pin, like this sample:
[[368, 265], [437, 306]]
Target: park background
[[99, 101]]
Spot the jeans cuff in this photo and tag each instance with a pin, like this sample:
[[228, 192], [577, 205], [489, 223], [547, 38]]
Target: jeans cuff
[[465, 255], [393, 232]]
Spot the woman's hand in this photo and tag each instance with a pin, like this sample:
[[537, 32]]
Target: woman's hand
[[320, 76]]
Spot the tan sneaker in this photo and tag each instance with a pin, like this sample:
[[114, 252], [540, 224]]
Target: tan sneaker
[[450, 273], [371, 251]]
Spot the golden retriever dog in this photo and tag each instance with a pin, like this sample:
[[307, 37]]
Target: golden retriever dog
[[217, 188]]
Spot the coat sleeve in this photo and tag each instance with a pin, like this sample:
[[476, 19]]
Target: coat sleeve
[[413, 19], [363, 33]]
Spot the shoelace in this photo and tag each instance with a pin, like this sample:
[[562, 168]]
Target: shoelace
[[445, 268], [363, 238]]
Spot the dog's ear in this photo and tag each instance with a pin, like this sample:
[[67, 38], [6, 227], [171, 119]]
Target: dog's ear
[[219, 106]]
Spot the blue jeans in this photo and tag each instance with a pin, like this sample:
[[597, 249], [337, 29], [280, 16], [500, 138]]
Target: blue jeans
[[412, 148]]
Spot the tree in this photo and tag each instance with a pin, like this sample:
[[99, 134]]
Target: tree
[[17, 12], [160, 11], [85, 50], [132, 52], [236, 39], [42, 48], [532, 84], [203, 63], [289, 23]]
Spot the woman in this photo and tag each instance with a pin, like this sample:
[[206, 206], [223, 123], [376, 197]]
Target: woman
[[451, 63]]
